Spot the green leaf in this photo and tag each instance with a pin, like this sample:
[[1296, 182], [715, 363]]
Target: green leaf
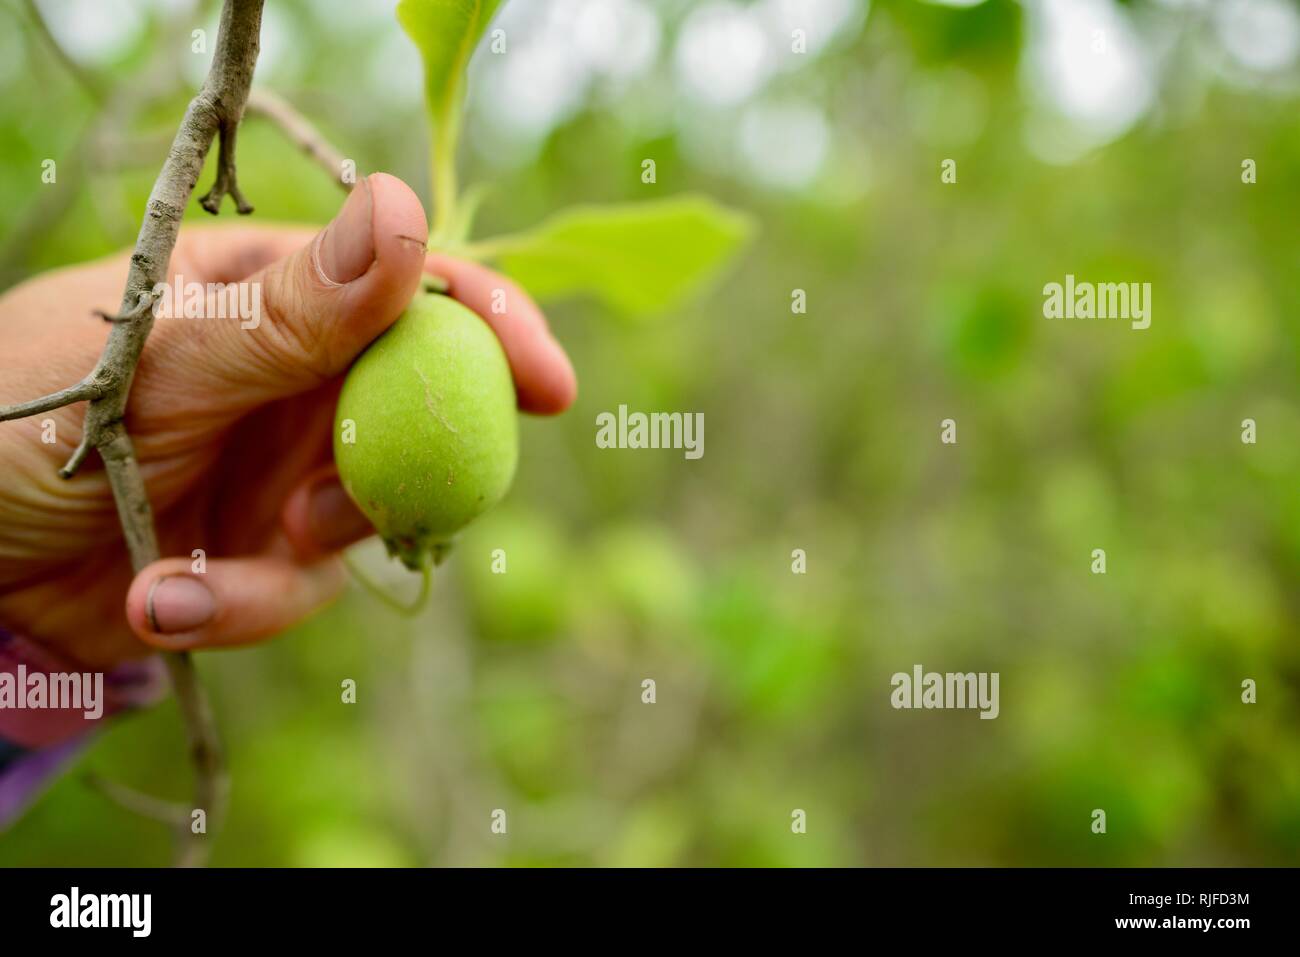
[[638, 258], [446, 31]]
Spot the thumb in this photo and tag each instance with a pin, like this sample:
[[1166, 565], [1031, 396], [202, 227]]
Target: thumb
[[316, 310]]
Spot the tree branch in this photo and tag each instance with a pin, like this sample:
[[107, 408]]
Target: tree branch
[[299, 131], [215, 110]]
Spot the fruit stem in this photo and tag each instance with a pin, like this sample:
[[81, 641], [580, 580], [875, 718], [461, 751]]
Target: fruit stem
[[406, 610]]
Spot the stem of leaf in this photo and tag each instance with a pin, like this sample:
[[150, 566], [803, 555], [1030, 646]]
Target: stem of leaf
[[444, 181]]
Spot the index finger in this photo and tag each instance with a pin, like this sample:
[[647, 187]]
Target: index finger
[[544, 378]]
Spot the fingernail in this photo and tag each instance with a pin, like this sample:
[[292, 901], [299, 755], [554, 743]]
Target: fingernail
[[333, 518], [347, 247], [178, 603]]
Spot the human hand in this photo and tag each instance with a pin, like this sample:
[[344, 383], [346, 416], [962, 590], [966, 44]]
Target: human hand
[[232, 428]]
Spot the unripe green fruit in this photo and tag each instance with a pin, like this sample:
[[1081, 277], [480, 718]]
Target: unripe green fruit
[[435, 431]]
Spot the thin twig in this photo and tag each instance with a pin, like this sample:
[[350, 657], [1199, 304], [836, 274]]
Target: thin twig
[[145, 805], [299, 131], [214, 111], [83, 390], [227, 181]]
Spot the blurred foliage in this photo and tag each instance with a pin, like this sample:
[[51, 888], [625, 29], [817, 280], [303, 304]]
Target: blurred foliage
[[523, 690]]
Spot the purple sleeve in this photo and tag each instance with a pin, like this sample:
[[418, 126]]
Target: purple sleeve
[[49, 707], [24, 774]]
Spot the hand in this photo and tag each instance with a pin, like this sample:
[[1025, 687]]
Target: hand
[[232, 427]]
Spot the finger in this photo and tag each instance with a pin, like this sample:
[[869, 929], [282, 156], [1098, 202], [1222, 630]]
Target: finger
[[234, 602], [310, 314], [319, 517], [543, 375], [267, 454]]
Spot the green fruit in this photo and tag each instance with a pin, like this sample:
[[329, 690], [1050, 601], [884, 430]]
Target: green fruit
[[434, 428]]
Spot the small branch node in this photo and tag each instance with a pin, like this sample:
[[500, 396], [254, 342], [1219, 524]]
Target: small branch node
[[242, 206], [78, 457], [227, 181], [142, 306]]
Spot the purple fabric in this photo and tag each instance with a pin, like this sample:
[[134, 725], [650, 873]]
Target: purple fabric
[[39, 744], [23, 780], [128, 686]]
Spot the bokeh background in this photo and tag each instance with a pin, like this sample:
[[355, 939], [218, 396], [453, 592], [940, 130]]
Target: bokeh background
[[1092, 137]]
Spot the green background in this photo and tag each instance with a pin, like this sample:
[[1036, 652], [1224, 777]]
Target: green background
[[523, 691]]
